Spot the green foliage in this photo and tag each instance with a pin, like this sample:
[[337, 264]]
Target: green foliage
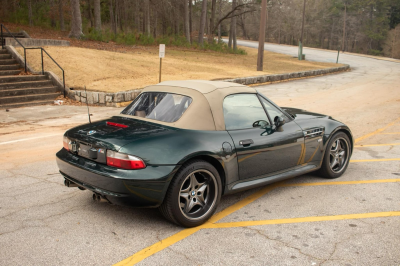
[[375, 52]]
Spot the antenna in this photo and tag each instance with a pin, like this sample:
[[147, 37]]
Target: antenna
[[87, 106]]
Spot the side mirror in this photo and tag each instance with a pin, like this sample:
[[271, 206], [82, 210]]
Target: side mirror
[[279, 121], [260, 123]]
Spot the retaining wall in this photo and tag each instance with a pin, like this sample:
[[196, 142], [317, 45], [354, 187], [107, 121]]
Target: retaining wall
[[28, 42], [115, 99]]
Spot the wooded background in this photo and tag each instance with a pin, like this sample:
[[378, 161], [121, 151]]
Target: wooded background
[[361, 26]]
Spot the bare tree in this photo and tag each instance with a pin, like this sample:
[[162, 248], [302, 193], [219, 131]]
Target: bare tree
[[137, 17], [203, 19], [112, 18], [212, 19], [147, 17], [190, 19], [90, 13], [186, 11], [30, 12], [76, 20], [61, 11], [219, 17], [97, 15]]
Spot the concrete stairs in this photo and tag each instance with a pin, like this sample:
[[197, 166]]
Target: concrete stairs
[[22, 90]]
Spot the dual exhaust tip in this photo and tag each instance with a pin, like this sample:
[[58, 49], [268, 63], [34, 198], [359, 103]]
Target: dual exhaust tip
[[96, 197]]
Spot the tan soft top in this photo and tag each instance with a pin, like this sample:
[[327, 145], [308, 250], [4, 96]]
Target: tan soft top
[[206, 111]]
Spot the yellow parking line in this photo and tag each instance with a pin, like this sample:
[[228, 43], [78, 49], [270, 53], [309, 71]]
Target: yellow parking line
[[375, 160], [147, 252], [144, 253], [341, 183], [375, 145], [376, 131], [306, 219]]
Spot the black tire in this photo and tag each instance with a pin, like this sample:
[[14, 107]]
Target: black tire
[[193, 195], [334, 164]]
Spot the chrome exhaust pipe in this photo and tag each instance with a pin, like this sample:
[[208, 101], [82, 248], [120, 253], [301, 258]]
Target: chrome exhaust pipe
[[99, 198], [68, 183]]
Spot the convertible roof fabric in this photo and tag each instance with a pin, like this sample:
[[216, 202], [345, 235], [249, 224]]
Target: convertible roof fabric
[[206, 111]]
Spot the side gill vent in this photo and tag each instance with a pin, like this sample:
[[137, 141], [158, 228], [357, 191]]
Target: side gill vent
[[314, 132]]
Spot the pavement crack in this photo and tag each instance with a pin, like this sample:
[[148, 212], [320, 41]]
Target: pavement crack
[[283, 243]]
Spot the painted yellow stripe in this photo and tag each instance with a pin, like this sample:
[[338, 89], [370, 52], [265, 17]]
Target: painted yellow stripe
[[147, 252], [375, 145], [306, 219], [375, 160], [242, 203], [335, 183], [376, 131], [144, 253]]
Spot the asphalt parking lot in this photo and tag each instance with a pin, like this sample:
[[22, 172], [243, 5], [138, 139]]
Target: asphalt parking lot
[[353, 220]]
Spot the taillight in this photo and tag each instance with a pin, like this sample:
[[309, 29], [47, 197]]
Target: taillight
[[66, 142], [124, 161]]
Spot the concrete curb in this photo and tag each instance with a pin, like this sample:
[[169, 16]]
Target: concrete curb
[[115, 99]]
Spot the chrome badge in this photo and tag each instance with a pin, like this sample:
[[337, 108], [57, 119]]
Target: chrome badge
[[91, 132]]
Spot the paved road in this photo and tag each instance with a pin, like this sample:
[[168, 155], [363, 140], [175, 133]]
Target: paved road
[[306, 221]]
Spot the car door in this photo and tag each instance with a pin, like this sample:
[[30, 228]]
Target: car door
[[261, 147]]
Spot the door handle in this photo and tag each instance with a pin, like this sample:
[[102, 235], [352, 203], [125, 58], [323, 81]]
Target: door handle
[[246, 142]]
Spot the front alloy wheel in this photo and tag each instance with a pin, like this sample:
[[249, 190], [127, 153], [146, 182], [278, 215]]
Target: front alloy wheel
[[193, 194], [337, 156]]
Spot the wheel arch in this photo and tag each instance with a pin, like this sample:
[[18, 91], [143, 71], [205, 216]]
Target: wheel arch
[[214, 162], [345, 130]]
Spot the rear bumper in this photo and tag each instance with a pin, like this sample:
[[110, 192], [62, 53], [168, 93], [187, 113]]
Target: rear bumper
[[139, 188]]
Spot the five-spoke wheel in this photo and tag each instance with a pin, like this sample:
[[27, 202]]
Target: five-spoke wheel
[[193, 194], [337, 156]]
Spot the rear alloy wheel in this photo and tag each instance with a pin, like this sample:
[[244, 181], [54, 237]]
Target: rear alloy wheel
[[193, 194], [337, 156]]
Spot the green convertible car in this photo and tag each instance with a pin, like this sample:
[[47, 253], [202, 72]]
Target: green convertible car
[[181, 145]]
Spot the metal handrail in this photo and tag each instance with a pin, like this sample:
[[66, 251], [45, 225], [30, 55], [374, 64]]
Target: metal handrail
[[31, 48]]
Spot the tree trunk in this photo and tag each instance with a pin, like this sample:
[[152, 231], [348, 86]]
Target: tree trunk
[[190, 20], [147, 17], [331, 36], [90, 14], [97, 15], [61, 11], [219, 17], [76, 20], [52, 18], [232, 34], [30, 12], [242, 24], [212, 19], [112, 19], [137, 16], [186, 11], [155, 24], [202, 21]]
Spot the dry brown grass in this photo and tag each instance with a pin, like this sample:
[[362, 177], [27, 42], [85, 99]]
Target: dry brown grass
[[115, 71]]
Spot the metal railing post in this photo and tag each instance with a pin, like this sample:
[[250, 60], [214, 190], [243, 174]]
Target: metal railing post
[[64, 82], [41, 50], [2, 39], [25, 58]]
